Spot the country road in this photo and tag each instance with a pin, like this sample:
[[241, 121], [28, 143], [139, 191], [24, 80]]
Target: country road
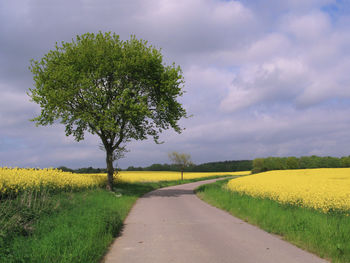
[[173, 225]]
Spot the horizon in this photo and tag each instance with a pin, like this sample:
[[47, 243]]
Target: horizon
[[169, 163]]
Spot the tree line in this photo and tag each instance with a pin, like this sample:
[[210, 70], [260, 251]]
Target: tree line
[[304, 162], [225, 166], [85, 170], [256, 166]]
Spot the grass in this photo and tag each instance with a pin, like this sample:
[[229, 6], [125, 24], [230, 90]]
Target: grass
[[326, 235], [68, 226]]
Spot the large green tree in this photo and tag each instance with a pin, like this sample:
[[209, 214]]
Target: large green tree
[[119, 90]]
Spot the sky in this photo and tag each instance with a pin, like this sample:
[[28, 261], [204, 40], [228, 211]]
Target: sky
[[262, 77]]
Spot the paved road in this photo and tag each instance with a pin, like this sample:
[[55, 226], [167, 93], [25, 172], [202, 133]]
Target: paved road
[[172, 225]]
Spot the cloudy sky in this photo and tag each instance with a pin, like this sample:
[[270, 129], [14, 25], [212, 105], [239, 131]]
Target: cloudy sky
[[263, 77]]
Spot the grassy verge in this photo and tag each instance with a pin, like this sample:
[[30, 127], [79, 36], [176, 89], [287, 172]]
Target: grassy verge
[[326, 235], [68, 226]]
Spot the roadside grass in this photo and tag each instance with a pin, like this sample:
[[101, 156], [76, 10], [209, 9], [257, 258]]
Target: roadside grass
[[68, 226], [326, 235]]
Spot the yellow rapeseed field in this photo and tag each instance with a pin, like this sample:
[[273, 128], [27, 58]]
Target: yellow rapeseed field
[[325, 189], [14, 180], [150, 176]]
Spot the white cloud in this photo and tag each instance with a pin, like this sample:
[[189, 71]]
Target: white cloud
[[208, 86], [280, 80], [195, 26], [310, 27], [305, 63]]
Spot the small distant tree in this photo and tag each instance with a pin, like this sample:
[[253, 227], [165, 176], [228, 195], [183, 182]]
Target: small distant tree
[[181, 160], [258, 165], [118, 90], [65, 169]]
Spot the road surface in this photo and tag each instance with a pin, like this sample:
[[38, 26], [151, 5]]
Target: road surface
[[173, 225]]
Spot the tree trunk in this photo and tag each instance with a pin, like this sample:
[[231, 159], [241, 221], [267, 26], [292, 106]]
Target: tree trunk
[[110, 169], [182, 175]]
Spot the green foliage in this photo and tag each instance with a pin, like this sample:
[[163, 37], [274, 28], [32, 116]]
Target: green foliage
[[226, 166], [90, 170], [258, 165], [324, 234], [18, 214], [304, 162], [78, 230], [84, 170], [104, 85], [68, 227], [292, 163], [65, 169], [345, 161], [181, 160], [119, 90]]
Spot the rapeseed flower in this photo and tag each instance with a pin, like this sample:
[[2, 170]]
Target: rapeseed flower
[[15, 180], [326, 189]]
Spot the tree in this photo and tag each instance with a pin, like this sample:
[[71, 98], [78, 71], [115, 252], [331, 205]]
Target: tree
[[119, 90], [292, 163], [258, 165], [181, 160], [345, 161]]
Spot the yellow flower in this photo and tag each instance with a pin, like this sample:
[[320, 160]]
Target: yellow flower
[[324, 189], [14, 180], [151, 176]]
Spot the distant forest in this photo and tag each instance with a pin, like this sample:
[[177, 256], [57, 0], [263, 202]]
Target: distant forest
[[304, 162], [88, 170], [257, 165], [225, 166]]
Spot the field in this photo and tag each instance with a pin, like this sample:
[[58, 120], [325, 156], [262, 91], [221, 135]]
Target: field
[[44, 211], [47, 215], [130, 177], [327, 190], [17, 180]]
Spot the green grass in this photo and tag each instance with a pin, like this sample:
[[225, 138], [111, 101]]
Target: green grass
[[327, 235], [68, 226]]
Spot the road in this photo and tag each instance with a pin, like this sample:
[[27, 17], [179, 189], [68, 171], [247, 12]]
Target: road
[[173, 225]]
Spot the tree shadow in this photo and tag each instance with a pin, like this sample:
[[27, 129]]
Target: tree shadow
[[169, 193]]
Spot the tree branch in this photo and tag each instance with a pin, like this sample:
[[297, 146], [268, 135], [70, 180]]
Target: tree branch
[[121, 136]]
